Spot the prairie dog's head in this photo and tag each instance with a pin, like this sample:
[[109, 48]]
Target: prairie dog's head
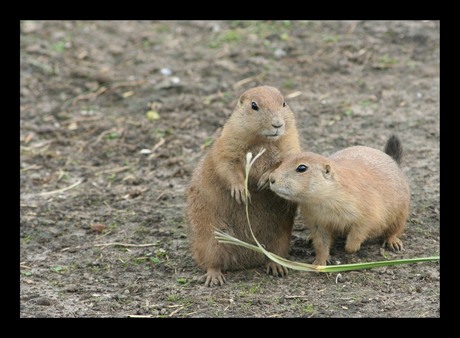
[[262, 112], [302, 177]]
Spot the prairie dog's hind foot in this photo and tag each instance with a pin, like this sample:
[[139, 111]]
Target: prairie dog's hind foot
[[393, 243], [322, 261]]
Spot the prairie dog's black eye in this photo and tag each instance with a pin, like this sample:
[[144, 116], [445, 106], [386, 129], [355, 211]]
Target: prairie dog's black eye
[[301, 168], [284, 104], [254, 106]]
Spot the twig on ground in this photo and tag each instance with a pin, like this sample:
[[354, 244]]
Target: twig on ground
[[82, 119], [125, 244], [105, 245], [247, 80], [161, 195], [47, 193], [175, 311], [102, 236], [127, 84], [90, 96], [101, 135], [155, 147], [23, 205], [352, 28], [294, 94], [107, 204], [23, 265], [114, 170], [61, 175], [74, 247], [44, 144], [32, 167]]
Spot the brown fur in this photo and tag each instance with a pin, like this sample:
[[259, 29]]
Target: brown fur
[[215, 198], [359, 192]]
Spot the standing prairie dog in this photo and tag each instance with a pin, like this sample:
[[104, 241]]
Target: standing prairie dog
[[215, 197], [359, 192]]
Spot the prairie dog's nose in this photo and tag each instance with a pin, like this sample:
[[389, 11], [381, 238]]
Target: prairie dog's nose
[[277, 122], [272, 179]]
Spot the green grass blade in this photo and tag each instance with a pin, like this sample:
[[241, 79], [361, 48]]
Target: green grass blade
[[222, 237], [371, 265]]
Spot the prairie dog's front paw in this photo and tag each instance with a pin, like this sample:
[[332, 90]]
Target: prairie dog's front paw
[[238, 193], [213, 277], [264, 181], [276, 269]]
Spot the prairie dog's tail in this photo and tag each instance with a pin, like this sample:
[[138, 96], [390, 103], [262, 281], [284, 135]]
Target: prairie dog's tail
[[394, 148]]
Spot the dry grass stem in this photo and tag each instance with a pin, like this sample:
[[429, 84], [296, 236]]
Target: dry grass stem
[[58, 191]]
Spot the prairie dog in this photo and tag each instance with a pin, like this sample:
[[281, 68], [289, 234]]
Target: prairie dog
[[359, 192], [215, 197]]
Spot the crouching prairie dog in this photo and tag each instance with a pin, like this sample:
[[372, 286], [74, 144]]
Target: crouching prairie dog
[[359, 192], [215, 196]]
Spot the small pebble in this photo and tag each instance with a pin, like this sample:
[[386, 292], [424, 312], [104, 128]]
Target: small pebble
[[44, 301], [72, 288], [166, 71], [98, 227], [279, 53]]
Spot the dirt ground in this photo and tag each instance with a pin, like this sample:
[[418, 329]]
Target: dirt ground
[[115, 116]]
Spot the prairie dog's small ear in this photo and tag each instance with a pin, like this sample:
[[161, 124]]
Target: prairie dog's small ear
[[242, 98], [327, 171]]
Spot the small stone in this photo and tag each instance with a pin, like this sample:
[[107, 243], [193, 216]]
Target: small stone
[[98, 227], [215, 28], [44, 301], [279, 53], [72, 288], [165, 71], [163, 311]]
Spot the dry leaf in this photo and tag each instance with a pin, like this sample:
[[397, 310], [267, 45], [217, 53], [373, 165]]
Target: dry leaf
[[98, 227]]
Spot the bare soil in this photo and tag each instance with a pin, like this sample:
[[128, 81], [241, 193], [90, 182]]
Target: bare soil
[[115, 116]]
